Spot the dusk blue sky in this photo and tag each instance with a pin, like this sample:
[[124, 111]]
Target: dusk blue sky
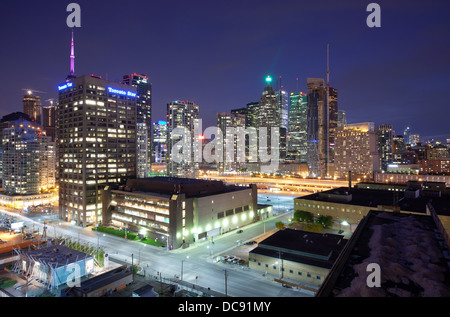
[[217, 53]]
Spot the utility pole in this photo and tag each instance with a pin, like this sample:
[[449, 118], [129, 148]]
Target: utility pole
[[226, 281], [132, 267]]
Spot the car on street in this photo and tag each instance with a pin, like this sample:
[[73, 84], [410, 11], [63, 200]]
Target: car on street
[[240, 231], [226, 257], [230, 259]]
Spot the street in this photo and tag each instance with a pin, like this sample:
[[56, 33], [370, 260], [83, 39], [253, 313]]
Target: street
[[195, 264]]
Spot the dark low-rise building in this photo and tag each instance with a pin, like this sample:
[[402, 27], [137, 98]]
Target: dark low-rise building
[[392, 255], [102, 284], [297, 255]]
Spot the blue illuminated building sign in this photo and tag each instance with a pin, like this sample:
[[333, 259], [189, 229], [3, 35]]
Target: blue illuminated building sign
[[67, 85], [162, 122], [121, 92]]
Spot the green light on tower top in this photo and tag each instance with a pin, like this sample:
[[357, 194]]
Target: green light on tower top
[[268, 79]]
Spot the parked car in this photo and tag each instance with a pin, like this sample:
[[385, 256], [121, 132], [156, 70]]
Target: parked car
[[235, 260], [250, 242], [240, 262], [230, 259], [1, 241], [225, 258], [240, 231]]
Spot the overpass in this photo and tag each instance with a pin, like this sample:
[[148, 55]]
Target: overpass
[[296, 185]]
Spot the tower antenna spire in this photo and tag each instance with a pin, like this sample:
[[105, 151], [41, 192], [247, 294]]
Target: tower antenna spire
[[328, 65], [327, 111], [72, 59]]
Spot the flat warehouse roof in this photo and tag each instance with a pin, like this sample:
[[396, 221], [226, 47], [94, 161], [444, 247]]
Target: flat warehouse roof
[[409, 251], [178, 185], [375, 197], [317, 249], [58, 255]]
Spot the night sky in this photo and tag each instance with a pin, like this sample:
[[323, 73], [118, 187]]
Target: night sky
[[217, 53]]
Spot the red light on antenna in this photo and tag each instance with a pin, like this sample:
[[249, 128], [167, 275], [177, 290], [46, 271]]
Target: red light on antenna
[[201, 137]]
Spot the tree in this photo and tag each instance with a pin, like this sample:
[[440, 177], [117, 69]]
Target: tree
[[280, 225], [324, 221], [303, 216]]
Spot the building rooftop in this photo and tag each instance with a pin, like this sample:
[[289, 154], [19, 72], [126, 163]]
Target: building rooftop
[[58, 255], [317, 249], [412, 255], [176, 180], [101, 280], [407, 200], [175, 185]]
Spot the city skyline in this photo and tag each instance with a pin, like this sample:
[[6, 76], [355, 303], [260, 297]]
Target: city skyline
[[395, 75]]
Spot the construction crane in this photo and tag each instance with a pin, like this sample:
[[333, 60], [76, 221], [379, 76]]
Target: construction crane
[[31, 91]]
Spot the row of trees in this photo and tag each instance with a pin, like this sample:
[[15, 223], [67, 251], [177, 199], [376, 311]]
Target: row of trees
[[308, 217], [311, 223]]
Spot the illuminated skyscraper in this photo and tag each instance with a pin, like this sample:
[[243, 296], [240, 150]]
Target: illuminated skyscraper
[[332, 121], [26, 151], [406, 134], [96, 131], [322, 117], [159, 141], [32, 107], [356, 151], [49, 120], [283, 107], [229, 123], [270, 117], [414, 139], [47, 163], [142, 151], [342, 119], [144, 113], [251, 119], [5, 123], [298, 124], [317, 136], [385, 144], [182, 114]]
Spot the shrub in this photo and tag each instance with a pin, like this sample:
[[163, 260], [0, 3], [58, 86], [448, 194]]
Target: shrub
[[303, 216]]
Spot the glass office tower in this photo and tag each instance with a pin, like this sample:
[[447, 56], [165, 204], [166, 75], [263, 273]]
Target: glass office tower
[[144, 116], [298, 124]]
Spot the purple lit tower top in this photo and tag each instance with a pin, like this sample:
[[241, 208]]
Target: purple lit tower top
[[72, 60]]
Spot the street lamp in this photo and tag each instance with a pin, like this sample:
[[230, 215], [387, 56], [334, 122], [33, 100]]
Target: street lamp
[[345, 223], [182, 261]]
